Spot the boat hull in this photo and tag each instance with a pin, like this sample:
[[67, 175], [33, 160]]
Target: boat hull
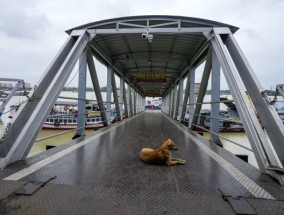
[[71, 126]]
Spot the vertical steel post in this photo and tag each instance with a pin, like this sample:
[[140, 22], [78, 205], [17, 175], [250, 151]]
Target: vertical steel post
[[125, 102], [134, 102], [180, 105], [170, 102], [108, 96], [81, 94], [121, 93], [203, 87], [130, 100], [175, 103], [186, 94], [215, 99], [139, 103], [163, 103], [191, 95], [115, 96]]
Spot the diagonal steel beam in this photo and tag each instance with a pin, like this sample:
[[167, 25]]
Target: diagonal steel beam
[[96, 85]]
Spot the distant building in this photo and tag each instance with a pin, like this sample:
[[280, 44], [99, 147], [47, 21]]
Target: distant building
[[8, 85]]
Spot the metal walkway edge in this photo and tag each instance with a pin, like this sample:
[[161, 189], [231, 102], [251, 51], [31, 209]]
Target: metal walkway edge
[[102, 174]]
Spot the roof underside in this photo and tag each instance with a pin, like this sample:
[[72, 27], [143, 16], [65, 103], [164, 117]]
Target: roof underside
[[151, 65]]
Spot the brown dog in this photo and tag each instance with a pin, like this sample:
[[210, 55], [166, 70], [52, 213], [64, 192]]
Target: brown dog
[[161, 155]]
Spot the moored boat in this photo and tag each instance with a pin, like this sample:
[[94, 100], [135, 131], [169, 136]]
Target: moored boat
[[64, 115], [226, 124]]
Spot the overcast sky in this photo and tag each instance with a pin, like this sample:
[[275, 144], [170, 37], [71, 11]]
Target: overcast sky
[[31, 31]]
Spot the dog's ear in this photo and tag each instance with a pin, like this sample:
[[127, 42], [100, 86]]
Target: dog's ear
[[169, 141]]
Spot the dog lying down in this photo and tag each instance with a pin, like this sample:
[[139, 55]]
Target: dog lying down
[[161, 155]]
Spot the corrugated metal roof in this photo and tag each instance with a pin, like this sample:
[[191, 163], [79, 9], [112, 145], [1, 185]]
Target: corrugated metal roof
[[177, 42]]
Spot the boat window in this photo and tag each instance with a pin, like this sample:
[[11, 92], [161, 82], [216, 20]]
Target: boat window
[[51, 120], [74, 121], [95, 108], [60, 120], [69, 120]]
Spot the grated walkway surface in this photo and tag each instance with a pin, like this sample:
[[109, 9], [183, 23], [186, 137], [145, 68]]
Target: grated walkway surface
[[104, 175]]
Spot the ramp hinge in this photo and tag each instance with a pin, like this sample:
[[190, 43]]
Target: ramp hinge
[[237, 202]]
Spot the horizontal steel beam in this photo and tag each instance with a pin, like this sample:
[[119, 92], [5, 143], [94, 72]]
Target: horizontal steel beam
[[203, 30]]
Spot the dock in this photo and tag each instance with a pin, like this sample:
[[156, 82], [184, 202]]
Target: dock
[[102, 174]]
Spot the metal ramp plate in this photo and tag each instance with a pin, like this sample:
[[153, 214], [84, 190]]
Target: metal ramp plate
[[32, 186], [238, 203]]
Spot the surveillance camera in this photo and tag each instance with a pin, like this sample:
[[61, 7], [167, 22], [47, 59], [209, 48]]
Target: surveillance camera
[[144, 36]]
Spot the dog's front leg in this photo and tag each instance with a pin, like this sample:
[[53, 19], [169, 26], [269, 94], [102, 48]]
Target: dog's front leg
[[176, 159], [172, 162]]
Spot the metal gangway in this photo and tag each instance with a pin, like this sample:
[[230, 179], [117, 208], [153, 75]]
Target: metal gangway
[[155, 56]]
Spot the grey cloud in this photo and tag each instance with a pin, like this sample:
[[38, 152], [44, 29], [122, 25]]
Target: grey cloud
[[23, 26], [22, 21]]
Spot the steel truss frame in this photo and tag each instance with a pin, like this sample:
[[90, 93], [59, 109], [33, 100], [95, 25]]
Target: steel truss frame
[[32, 115], [261, 122], [267, 145]]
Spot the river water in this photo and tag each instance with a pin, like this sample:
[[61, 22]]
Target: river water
[[40, 146]]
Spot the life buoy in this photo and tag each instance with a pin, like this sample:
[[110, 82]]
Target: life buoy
[[56, 123]]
